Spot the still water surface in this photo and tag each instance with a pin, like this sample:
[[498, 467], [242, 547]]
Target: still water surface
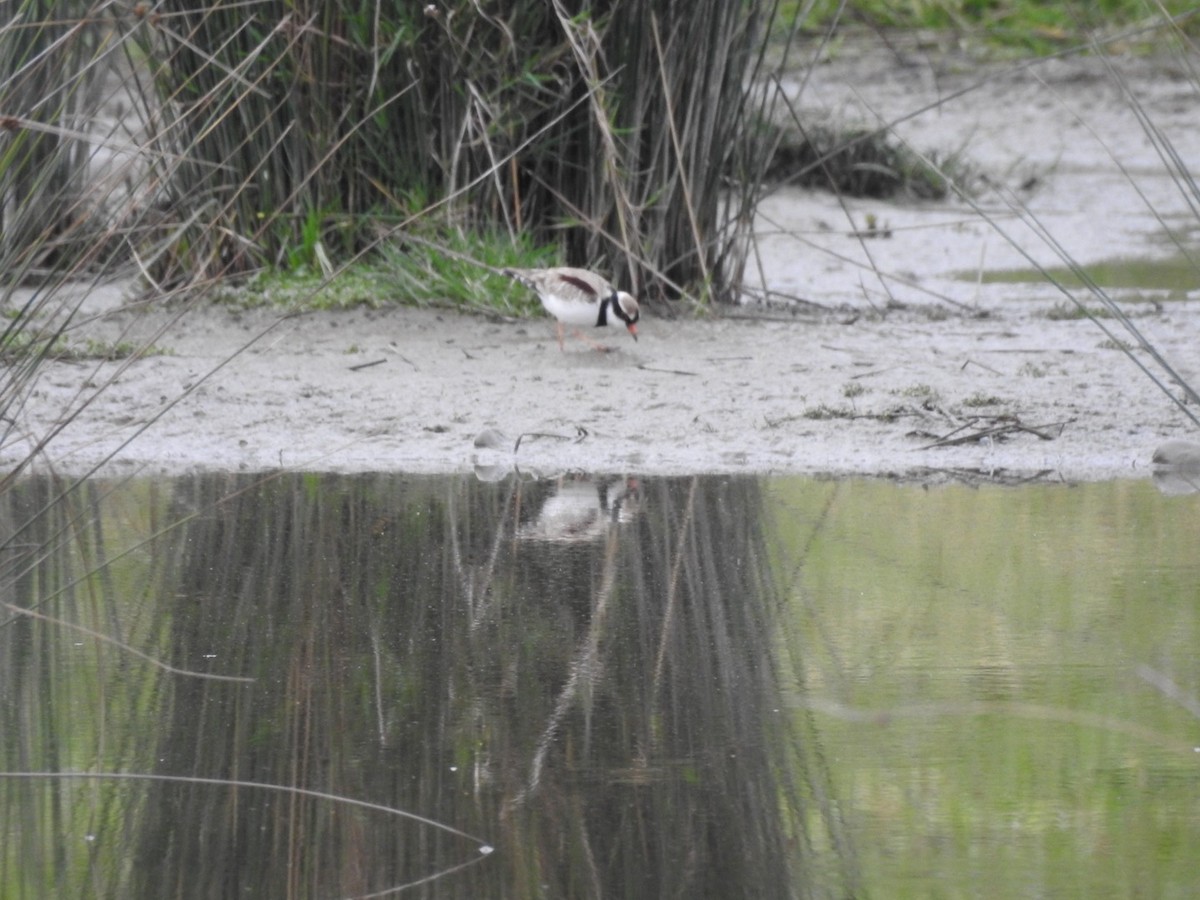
[[617, 687]]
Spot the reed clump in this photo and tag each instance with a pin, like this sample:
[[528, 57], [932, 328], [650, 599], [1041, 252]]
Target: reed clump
[[603, 128], [860, 162], [179, 145]]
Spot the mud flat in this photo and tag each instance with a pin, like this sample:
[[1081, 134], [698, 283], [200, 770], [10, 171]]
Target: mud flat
[[904, 358]]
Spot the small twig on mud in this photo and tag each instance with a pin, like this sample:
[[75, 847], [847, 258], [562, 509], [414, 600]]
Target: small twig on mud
[[872, 373], [367, 365], [400, 356], [1040, 430], [646, 368], [870, 232], [994, 431], [949, 438], [580, 434], [971, 362], [783, 420]]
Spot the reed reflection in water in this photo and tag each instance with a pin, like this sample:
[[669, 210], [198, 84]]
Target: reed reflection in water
[[579, 674]]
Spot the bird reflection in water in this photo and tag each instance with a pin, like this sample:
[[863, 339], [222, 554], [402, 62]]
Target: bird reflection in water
[[584, 508]]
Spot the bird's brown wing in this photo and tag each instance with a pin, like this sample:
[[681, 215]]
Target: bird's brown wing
[[583, 285]]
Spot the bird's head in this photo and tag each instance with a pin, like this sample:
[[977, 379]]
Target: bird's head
[[627, 311]]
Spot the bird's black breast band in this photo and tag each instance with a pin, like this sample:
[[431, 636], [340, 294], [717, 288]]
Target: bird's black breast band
[[602, 317]]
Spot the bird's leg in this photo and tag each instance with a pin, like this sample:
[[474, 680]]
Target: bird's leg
[[587, 340], [583, 337]]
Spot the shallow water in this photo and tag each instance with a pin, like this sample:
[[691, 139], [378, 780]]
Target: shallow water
[[768, 687], [1174, 276]]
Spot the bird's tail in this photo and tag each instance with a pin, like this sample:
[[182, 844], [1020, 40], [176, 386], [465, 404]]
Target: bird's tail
[[517, 275]]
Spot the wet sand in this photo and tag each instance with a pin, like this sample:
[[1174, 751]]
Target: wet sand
[[905, 362]]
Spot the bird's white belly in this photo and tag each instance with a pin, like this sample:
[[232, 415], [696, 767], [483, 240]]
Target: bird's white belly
[[569, 311]]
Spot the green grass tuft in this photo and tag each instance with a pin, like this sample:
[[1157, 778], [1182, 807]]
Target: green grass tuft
[[461, 271], [979, 399], [1066, 311], [364, 284], [27, 344], [825, 411], [455, 271], [1030, 26]]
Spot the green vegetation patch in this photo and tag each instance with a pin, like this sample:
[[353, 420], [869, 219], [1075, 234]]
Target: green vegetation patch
[[458, 270], [462, 270], [1176, 275], [1031, 25], [25, 344], [981, 399], [923, 392], [825, 411], [1066, 311], [363, 284]]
